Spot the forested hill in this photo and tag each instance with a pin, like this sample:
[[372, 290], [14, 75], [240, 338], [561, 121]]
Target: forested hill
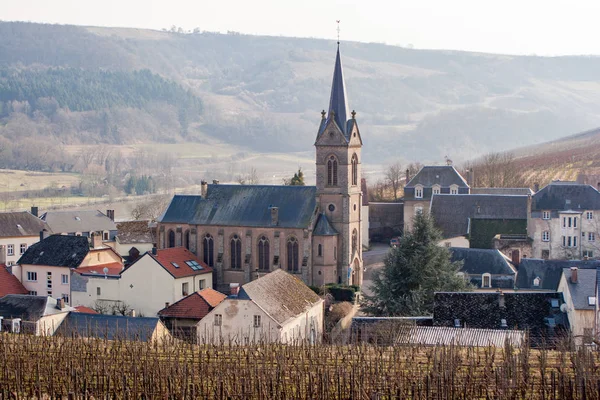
[[266, 93]]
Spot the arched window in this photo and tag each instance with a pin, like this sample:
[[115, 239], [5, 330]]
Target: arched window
[[263, 254], [171, 240], [209, 250], [354, 163], [186, 239], [292, 254], [320, 250], [332, 169], [236, 252], [354, 241]]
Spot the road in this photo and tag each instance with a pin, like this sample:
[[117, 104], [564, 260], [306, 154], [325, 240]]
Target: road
[[373, 260]]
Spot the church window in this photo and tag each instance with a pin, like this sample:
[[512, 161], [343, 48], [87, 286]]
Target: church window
[[171, 242], [186, 239], [263, 254], [292, 254], [209, 250], [236, 252], [332, 170], [354, 241], [331, 207], [320, 250], [354, 163]]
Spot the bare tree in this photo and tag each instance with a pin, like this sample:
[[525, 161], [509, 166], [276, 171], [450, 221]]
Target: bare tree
[[151, 208], [393, 176], [496, 170]]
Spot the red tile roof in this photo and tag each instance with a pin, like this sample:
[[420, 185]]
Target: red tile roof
[[114, 268], [9, 284], [194, 306], [85, 310], [179, 256]]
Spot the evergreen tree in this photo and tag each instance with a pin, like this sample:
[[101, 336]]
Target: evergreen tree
[[298, 178], [413, 272]]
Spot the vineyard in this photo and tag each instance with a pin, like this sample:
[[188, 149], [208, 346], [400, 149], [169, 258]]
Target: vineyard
[[44, 367]]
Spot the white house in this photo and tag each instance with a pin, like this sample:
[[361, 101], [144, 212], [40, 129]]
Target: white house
[[276, 307], [18, 231], [578, 287], [37, 315]]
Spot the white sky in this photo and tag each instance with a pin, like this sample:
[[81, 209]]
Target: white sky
[[550, 27]]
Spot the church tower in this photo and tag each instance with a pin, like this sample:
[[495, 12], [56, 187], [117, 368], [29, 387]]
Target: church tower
[[339, 196]]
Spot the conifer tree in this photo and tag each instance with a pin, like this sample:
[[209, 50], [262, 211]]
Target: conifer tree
[[413, 271]]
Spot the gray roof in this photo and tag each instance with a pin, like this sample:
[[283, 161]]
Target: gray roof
[[338, 101], [584, 288], [439, 335], [28, 308], [481, 261], [443, 175], [451, 212], [245, 205], [556, 195], [71, 221], [132, 232], [510, 191], [323, 227], [16, 224], [279, 294], [57, 251], [109, 327], [549, 272]]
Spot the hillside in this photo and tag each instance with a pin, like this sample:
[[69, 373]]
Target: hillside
[[265, 93]]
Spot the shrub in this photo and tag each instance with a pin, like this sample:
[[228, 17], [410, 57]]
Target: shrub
[[341, 292], [317, 289]]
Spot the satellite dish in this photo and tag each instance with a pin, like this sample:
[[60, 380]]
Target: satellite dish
[[105, 272], [564, 307]]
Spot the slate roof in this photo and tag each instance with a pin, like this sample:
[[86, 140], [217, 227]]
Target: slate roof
[[549, 272], [69, 221], [323, 227], [57, 251], [451, 212], [505, 191], [109, 327], [555, 196], [9, 284], [338, 101], [133, 232], [584, 288], [480, 261], [17, 224], [244, 205], [443, 175], [167, 258], [280, 295], [28, 308], [195, 306]]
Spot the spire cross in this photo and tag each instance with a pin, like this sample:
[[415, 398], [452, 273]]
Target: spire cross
[[338, 31]]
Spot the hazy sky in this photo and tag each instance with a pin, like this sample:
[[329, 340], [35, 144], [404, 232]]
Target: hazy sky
[[543, 27]]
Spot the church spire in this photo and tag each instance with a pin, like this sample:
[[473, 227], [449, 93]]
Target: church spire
[[338, 104]]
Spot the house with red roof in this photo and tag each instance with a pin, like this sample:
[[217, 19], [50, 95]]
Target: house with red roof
[[9, 284], [146, 286], [182, 317]]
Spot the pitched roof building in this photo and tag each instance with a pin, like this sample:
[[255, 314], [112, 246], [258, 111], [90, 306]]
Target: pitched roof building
[[38, 315], [314, 232], [18, 231], [81, 222], [537, 274], [485, 269], [9, 284]]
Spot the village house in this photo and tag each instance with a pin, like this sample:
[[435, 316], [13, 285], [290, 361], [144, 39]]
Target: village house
[[313, 232], [48, 267], [579, 290], [82, 223], [563, 221], [37, 315], [276, 307], [486, 269], [134, 238], [182, 317], [9, 284], [18, 231], [144, 286]]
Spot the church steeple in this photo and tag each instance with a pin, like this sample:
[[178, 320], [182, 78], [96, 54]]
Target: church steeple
[[338, 103]]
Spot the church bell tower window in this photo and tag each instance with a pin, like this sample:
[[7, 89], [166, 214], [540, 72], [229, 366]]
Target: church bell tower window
[[332, 170]]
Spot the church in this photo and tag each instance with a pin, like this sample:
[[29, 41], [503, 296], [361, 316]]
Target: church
[[314, 232]]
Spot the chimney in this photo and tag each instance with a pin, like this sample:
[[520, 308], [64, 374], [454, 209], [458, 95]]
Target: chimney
[[167, 304], [154, 251], [407, 176], [110, 214], [536, 187], [34, 211], [133, 313], [516, 257], [215, 181], [203, 188], [60, 303], [274, 216], [573, 274], [43, 234], [598, 186], [96, 240], [234, 289]]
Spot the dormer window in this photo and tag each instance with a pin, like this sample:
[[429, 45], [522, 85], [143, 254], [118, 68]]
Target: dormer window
[[536, 281], [436, 189], [545, 214], [418, 192], [486, 280], [453, 189]]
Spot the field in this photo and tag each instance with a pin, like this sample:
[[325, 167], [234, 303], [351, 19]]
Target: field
[[34, 367]]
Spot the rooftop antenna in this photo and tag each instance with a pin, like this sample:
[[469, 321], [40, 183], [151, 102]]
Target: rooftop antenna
[[338, 31]]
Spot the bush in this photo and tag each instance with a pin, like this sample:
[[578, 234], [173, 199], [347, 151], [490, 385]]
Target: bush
[[342, 292], [317, 289]]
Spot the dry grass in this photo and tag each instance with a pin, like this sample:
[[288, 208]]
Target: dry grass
[[50, 366]]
